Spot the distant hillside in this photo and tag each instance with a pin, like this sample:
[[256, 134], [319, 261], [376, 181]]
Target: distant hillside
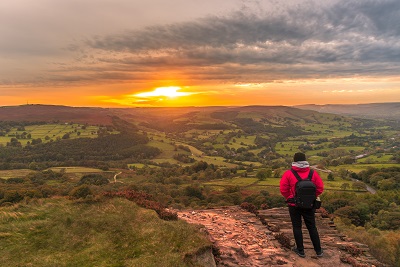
[[50, 113], [270, 113], [209, 113], [374, 110], [182, 119], [166, 119]]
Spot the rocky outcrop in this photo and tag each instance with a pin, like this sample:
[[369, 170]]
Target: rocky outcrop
[[245, 239], [203, 257]]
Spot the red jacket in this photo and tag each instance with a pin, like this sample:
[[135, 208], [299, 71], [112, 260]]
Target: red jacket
[[288, 182]]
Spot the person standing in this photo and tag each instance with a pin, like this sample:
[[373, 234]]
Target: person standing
[[287, 187]]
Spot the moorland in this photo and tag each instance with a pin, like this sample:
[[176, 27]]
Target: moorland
[[88, 181]]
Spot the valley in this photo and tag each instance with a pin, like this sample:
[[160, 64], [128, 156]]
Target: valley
[[202, 158]]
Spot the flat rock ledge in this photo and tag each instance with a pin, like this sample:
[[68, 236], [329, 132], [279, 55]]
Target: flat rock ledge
[[242, 238]]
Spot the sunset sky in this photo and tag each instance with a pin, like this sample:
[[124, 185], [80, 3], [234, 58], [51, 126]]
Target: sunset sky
[[119, 53]]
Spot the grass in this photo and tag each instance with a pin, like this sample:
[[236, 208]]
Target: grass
[[141, 165], [75, 169], [361, 167], [78, 172], [256, 185], [6, 174], [51, 132], [288, 147], [240, 181], [219, 161], [376, 159], [113, 232]]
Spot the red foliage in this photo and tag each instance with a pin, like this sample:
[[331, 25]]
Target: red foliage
[[353, 250], [246, 193], [273, 227], [352, 261], [324, 212], [144, 200], [283, 240], [249, 207]]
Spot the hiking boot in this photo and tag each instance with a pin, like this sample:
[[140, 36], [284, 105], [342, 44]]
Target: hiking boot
[[298, 252], [319, 254]]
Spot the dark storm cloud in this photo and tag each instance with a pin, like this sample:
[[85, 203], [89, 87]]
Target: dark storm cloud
[[341, 39]]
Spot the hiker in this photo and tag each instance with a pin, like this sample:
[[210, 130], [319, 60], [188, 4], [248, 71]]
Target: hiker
[[297, 210]]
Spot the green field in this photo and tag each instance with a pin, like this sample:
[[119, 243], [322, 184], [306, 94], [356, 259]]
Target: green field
[[219, 161], [376, 159], [361, 167], [6, 174], [255, 185], [168, 151], [48, 132], [288, 147], [239, 181], [75, 169]]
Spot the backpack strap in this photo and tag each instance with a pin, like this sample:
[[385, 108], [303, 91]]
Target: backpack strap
[[296, 175], [309, 177]]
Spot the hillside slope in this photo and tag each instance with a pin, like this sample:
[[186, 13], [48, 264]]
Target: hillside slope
[[373, 110], [112, 232], [49, 113]]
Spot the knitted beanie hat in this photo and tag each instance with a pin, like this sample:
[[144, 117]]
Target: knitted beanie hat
[[299, 157]]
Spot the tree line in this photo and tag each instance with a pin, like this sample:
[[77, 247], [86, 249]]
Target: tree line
[[81, 152]]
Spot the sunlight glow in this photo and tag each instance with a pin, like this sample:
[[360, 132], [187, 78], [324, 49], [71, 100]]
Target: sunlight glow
[[171, 91]]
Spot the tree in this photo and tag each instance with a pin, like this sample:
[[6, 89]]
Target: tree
[[330, 177], [14, 142], [33, 166], [263, 174], [94, 179], [194, 191], [356, 215], [343, 173], [36, 141], [359, 186], [65, 136], [345, 186], [388, 184]]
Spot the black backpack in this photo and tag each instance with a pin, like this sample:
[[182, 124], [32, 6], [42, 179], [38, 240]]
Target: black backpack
[[305, 191]]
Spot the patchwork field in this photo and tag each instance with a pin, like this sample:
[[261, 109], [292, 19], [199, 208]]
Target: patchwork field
[[48, 132], [6, 174]]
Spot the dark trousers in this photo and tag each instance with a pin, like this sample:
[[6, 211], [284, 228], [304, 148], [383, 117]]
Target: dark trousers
[[309, 219]]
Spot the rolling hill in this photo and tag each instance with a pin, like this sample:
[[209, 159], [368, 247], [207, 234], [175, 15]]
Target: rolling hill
[[50, 113], [373, 110]]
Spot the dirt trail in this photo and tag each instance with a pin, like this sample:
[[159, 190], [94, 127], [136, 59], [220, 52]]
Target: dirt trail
[[115, 177], [243, 240]]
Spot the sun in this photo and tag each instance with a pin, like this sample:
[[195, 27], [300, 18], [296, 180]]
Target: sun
[[170, 91]]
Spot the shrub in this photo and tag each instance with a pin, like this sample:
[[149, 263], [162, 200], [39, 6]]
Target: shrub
[[12, 196], [80, 192], [144, 200], [94, 179], [283, 239], [353, 250], [249, 207]]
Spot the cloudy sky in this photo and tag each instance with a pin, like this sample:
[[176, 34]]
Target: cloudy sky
[[116, 53]]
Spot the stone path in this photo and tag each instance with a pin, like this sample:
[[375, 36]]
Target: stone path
[[243, 240], [240, 237]]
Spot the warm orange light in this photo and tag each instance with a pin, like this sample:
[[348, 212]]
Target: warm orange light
[[171, 91]]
